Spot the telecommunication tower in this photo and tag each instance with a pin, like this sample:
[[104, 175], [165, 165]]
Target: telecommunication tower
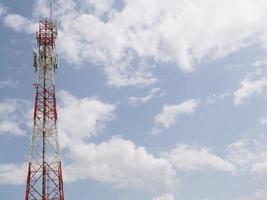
[[44, 179]]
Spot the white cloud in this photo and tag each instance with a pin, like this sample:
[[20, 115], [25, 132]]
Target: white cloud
[[116, 161], [250, 156], [260, 194], [121, 163], [247, 153], [161, 31], [217, 97], [165, 197], [240, 154], [12, 116], [185, 157], [19, 23], [154, 92], [248, 89], [130, 40], [263, 120], [126, 73], [12, 174], [8, 83], [8, 107], [169, 114], [10, 127], [81, 118], [98, 7], [41, 9], [259, 170], [3, 9]]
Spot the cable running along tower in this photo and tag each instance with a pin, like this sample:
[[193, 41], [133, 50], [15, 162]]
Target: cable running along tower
[[44, 180]]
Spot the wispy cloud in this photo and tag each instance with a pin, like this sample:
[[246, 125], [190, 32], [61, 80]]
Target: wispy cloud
[[217, 97], [248, 88], [263, 120], [3, 9], [8, 83], [165, 197], [169, 114], [154, 92], [250, 155]]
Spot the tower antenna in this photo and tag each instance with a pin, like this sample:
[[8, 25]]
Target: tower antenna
[[44, 180]]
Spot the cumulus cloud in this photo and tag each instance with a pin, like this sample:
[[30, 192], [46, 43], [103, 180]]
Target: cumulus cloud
[[81, 118], [154, 92], [248, 89], [161, 31], [12, 174], [99, 7], [121, 163], [165, 197], [116, 161], [10, 127], [20, 23], [169, 114], [185, 157], [129, 38], [13, 116]]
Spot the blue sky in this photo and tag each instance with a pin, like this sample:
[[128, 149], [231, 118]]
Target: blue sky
[[157, 100]]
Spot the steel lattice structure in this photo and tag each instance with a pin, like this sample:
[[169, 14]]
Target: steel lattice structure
[[44, 180]]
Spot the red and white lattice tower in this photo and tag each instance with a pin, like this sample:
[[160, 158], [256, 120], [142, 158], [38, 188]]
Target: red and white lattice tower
[[44, 180]]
